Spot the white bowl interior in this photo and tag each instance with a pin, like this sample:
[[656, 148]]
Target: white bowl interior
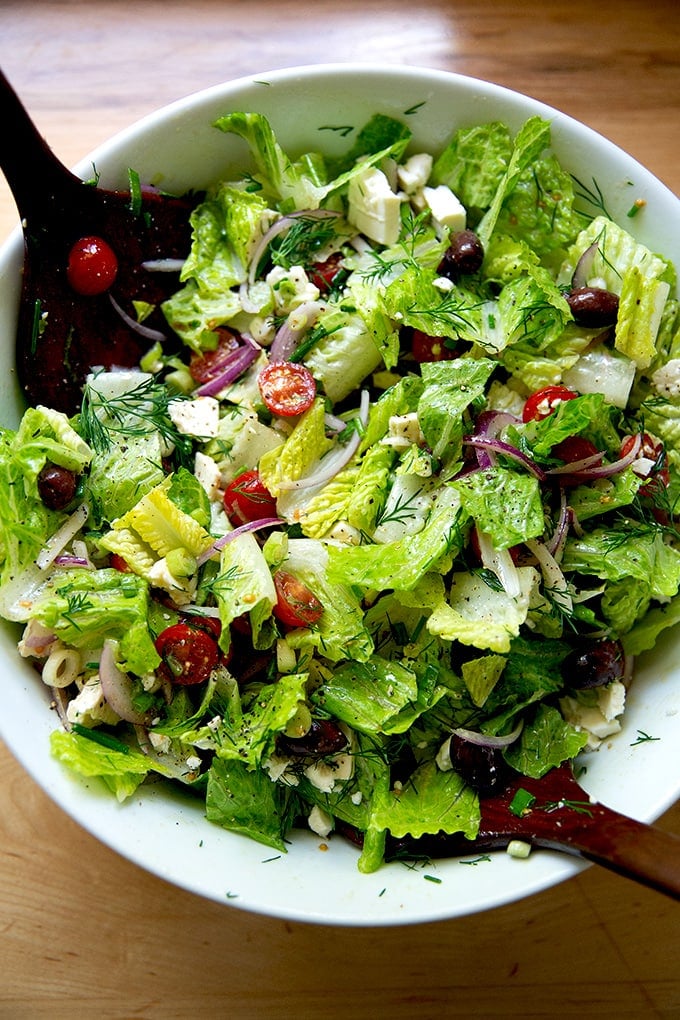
[[165, 831]]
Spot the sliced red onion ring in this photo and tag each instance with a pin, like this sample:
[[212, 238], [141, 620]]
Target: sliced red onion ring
[[594, 460], [264, 522], [498, 446], [163, 265], [279, 227], [333, 462], [490, 424], [137, 327], [500, 563], [552, 574], [486, 739], [60, 700], [602, 470], [73, 561], [556, 543], [117, 687], [62, 537], [583, 266], [235, 365], [288, 335]]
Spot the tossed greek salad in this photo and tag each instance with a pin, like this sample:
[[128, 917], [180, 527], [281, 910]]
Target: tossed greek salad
[[390, 517]]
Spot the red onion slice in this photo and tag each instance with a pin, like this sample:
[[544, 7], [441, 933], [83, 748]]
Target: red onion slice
[[333, 462], [235, 365], [486, 739], [117, 687], [137, 327], [264, 522], [62, 537], [288, 336], [583, 266], [552, 575], [602, 470], [490, 424], [498, 446], [556, 543]]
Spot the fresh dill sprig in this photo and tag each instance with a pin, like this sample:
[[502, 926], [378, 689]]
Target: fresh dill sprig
[[138, 412], [592, 196], [404, 509], [302, 242]]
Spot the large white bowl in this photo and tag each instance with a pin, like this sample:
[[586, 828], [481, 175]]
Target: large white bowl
[[165, 831]]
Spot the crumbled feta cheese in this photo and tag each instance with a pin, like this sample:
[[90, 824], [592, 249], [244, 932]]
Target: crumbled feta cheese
[[443, 284], [36, 641], [89, 707], [193, 763], [320, 822], [199, 417], [325, 773], [403, 430], [666, 380], [291, 287], [159, 741], [345, 533], [447, 210], [374, 209], [414, 174], [600, 720], [208, 474]]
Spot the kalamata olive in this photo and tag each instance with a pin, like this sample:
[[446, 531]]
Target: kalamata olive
[[463, 257], [323, 737], [593, 307], [482, 767], [594, 664], [56, 486]]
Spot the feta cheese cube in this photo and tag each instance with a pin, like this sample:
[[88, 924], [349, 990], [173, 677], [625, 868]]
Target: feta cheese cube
[[447, 211], [414, 174], [374, 209], [199, 417]]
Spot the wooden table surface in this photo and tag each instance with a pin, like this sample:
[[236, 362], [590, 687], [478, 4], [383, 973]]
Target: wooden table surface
[[85, 933]]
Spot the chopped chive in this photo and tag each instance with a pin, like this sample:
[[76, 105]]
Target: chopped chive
[[635, 208], [432, 878], [521, 802], [104, 739]]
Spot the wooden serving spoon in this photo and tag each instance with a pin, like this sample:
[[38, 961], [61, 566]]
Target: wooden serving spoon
[[561, 816], [63, 334]]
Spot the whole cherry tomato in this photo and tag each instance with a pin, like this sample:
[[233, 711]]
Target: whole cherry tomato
[[543, 402], [297, 605], [287, 388], [92, 266], [188, 652], [247, 498]]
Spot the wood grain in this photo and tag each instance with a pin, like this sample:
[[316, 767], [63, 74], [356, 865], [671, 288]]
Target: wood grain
[[85, 933]]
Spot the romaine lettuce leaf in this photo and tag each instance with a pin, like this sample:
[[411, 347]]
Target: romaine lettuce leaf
[[432, 801], [246, 801], [504, 504], [121, 771], [545, 742]]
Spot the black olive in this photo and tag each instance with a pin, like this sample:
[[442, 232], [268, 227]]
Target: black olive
[[593, 664], [56, 486], [593, 307], [463, 257]]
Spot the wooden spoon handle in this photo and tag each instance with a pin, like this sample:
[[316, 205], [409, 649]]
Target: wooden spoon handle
[[35, 176], [631, 848]]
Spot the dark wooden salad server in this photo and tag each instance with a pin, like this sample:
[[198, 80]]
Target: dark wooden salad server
[[562, 817], [61, 334]]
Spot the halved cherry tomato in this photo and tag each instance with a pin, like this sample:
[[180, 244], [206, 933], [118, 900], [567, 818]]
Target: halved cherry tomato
[[118, 563], [323, 274], [92, 266], [297, 605], [287, 388], [247, 498], [543, 402], [188, 652], [430, 348], [207, 366]]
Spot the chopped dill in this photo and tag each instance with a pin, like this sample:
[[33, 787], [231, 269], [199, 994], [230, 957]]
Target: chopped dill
[[302, 242]]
